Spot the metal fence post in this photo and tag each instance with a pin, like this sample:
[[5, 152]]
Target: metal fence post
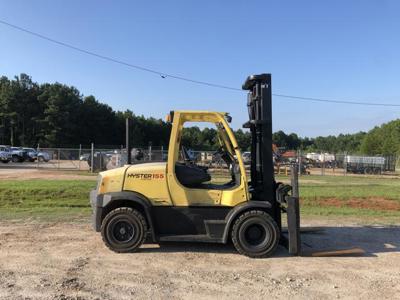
[[79, 156], [58, 158], [37, 157], [150, 152], [119, 158], [299, 160], [92, 158], [101, 160]]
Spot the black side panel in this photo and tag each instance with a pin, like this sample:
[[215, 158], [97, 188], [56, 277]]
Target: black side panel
[[184, 220]]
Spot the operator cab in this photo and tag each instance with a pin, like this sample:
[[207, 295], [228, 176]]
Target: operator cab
[[217, 168]]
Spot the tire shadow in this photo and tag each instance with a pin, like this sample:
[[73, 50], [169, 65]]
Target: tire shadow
[[372, 239]]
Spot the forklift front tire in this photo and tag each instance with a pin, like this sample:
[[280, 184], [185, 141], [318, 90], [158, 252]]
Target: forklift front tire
[[124, 229], [255, 234]]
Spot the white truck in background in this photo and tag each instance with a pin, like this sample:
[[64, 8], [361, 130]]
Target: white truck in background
[[364, 164]]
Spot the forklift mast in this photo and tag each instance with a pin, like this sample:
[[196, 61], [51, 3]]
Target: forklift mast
[[259, 103]]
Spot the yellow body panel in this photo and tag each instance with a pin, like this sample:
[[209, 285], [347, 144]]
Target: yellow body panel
[[150, 180], [112, 180], [158, 182]]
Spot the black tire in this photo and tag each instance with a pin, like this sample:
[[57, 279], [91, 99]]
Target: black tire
[[255, 234], [5, 161], [124, 229], [367, 171], [15, 158]]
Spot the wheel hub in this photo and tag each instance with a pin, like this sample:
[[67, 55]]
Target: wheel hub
[[123, 231], [255, 234]]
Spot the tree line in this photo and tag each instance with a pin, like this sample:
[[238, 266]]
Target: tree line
[[58, 115]]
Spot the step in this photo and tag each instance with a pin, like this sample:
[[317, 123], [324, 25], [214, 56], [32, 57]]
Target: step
[[189, 238]]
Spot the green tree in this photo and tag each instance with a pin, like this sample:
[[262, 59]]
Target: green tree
[[383, 140], [61, 114], [243, 139]]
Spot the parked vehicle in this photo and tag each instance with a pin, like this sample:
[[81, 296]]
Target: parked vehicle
[[84, 157], [18, 154], [365, 164], [322, 160], [34, 155], [5, 154], [100, 161], [43, 156]]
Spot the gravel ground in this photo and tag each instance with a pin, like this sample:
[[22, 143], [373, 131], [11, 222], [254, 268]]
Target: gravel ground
[[69, 261]]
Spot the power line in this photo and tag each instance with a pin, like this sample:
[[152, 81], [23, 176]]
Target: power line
[[337, 101], [162, 74], [165, 75]]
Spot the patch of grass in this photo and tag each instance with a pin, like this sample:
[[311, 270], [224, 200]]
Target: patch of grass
[[83, 173], [317, 187], [69, 199], [45, 198], [314, 189]]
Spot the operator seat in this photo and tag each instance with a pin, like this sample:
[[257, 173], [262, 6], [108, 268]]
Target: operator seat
[[191, 175]]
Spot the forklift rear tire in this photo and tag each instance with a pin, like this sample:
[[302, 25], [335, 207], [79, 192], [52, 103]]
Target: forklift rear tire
[[255, 234], [124, 229]]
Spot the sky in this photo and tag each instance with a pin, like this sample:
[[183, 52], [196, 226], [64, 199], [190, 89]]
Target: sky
[[346, 50]]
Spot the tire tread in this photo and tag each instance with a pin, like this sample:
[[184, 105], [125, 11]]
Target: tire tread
[[237, 223], [126, 210]]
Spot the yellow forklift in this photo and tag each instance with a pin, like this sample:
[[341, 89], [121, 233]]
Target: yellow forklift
[[177, 200]]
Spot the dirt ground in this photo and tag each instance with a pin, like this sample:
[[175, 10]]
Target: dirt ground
[[374, 203], [21, 173], [69, 261]]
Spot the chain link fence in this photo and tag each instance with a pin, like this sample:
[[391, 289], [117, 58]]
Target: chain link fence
[[336, 164], [98, 158]]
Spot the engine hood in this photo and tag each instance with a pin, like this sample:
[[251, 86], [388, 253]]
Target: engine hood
[[150, 167], [133, 168], [133, 178]]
